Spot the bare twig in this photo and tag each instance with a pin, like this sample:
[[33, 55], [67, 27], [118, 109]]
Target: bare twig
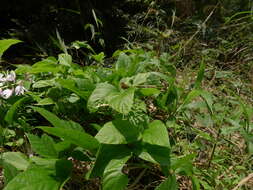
[[199, 29], [138, 179], [243, 181]]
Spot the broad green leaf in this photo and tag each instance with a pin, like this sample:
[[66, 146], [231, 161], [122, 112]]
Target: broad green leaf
[[47, 163], [153, 153], [70, 85], [169, 184], [65, 59], [9, 117], [150, 91], [200, 76], [43, 83], [155, 146], [43, 146], [16, 159], [98, 96], [45, 101], [82, 44], [136, 80], [107, 94], [57, 122], [73, 125], [105, 155], [9, 172], [122, 64], [46, 65], [80, 154], [118, 132], [156, 134], [5, 44], [78, 138], [183, 165], [34, 178], [99, 57], [121, 101], [23, 68], [62, 146], [113, 178], [52, 118]]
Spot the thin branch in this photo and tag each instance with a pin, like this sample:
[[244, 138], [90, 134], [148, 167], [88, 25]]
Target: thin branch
[[243, 181]]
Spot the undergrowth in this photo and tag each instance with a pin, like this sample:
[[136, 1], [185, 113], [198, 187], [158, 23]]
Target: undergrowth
[[173, 112]]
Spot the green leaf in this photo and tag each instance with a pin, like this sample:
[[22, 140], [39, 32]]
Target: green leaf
[[136, 80], [82, 44], [183, 165], [150, 91], [46, 65], [105, 155], [57, 122], [155, 146], [47, 163], [45, 101], [78, 138], [9, 117], [34, 178], [98, 96], [62, 146], [121, 101], [52, 118], [43, 146], [44, 83], [169, 184], [70, 85], [118, 132], [156, 134], [5, 44], [122, 64], [99, 57], [16, 159], [200, 76], [107, 94], [65, 59], [153, 153], [169, 100], [9, 172], [113, 178]]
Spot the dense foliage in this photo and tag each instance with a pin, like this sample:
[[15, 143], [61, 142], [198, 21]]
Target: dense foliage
[[162, 102]]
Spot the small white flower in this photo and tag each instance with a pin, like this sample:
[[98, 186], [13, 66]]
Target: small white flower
[[2, 78], [6, 93], [11, 77], [20, 90]]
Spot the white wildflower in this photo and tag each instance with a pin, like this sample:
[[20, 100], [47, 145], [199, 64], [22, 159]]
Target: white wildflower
[[2, 78], [20, 90], [6, 93], [11, 77]]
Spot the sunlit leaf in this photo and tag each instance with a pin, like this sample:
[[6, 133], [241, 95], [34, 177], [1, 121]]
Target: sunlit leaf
[[78, 138], [169, 184], [43, 146], [5, 44], [118, 132]]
